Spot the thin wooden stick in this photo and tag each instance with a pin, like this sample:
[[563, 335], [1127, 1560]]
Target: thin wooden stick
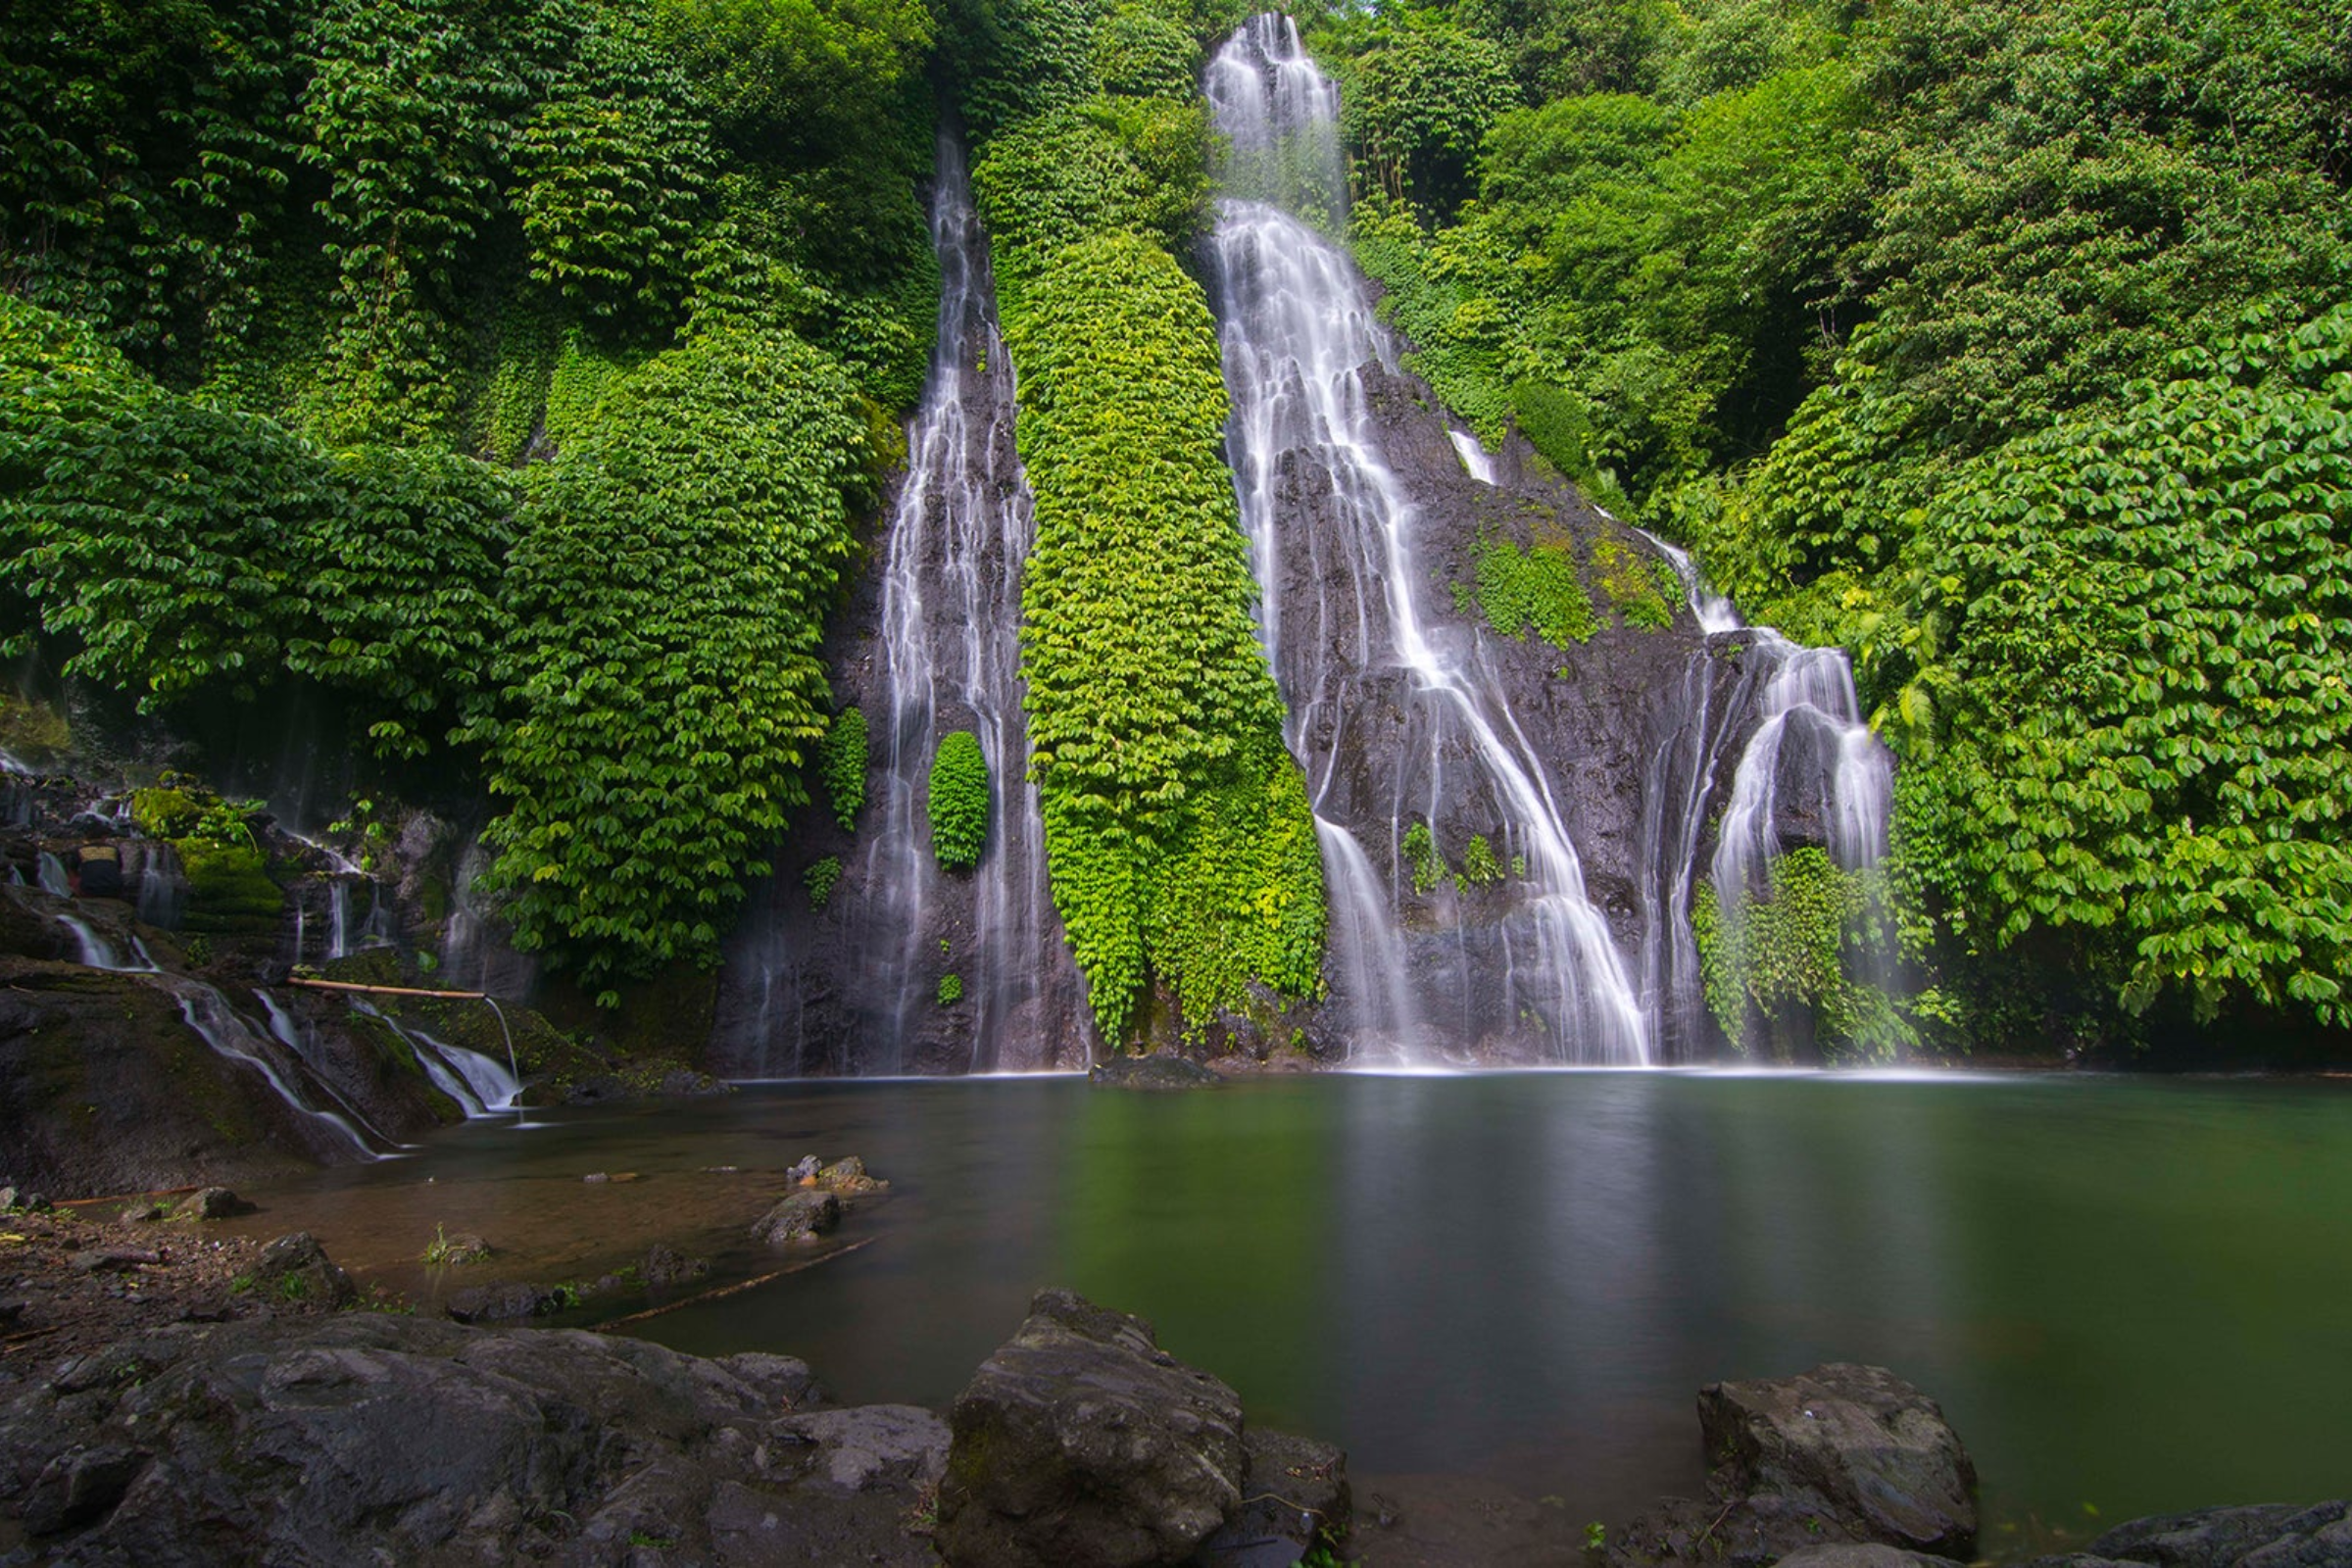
[[389, 990], [739, 1287]]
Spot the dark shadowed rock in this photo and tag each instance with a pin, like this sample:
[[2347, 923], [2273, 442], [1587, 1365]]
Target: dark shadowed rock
[[1841, 1455], [79, 1486], [1854, 1442], [213, 1203], [507, 1301], [2264, 1536], [298, 1268], [362, 1439], [799, 1216], [1080, 1441], [1156, 1071], [866, 1444], [1295, 1495]]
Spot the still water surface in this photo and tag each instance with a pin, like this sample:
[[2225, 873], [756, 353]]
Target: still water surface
[[2125, 1293]]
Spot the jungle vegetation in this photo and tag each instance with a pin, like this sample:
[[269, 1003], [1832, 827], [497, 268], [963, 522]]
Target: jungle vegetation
[[2008, 345], [349, 344]]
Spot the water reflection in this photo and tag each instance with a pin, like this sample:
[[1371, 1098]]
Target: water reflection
[[2123, 1292]]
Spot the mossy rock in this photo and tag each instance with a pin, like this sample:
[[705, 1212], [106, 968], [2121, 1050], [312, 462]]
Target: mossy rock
[[229, 889]]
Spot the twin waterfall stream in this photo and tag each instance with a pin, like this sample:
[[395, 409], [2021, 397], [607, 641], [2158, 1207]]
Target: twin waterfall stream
[[1405, 710]]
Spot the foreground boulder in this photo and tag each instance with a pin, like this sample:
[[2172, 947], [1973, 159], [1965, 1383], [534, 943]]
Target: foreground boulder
[[365, 1437], [1841, 1455], [1080, 1440], [2265, 1535]]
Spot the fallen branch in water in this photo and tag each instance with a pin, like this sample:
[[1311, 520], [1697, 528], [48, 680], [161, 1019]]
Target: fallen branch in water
[[738, 1287]]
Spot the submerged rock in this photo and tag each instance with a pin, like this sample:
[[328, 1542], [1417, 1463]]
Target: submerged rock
[[847, 1177], [507, 1301], [1158, 1072], [1080, 1441], [799, 1216]]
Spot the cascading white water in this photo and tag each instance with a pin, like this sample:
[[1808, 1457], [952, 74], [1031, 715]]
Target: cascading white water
[[1810, 702], [951, 611], [208, 1012], [480, 1087], [1297, 332], [1797, 709], [97, 953], [1477, 462], [51, 872]]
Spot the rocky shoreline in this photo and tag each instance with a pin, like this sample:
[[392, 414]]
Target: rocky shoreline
[[217, 1402]]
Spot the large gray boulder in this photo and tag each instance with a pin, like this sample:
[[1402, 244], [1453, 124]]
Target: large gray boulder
[[1854, 1445], [1843, 1455], [365, 1437], [1080, 1441]]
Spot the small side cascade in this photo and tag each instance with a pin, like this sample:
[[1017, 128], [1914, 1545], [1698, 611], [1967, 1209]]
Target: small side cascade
[[1807, 753], [97, 953], [1477, 461], [162, 887], [51, 874], [232, 1035], [1358, 645], [481, 1088], [857, 980]]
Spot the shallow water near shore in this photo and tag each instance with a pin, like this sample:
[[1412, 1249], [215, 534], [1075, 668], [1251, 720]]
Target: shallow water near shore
[[2125, 1293]]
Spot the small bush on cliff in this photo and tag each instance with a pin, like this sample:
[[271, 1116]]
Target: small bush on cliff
[[958, 800], [841, 760]]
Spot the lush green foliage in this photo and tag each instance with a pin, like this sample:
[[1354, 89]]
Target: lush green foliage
[[958, 803], [2135, 633], [1421, 854], [184, 547], [1776, 968], [819, 879], [841, 761], [1180, 848], [1175, 824], [364, 243], [660, 685], [950, 990], [1535, 587]]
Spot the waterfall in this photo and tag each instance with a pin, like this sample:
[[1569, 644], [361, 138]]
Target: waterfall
[[52, 874], [1477, 462], [97, 953], [227, 1031], [950, 646], [480, 1086], [856, 984], [1364, 668], [1804, 733]]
